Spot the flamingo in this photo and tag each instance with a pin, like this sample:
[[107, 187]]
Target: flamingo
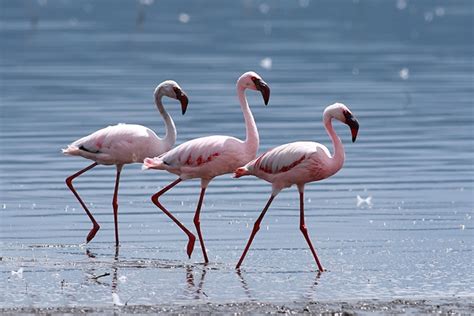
[[208, 157], [299, 163], [125, 144]]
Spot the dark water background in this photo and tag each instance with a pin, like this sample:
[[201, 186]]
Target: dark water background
[[405, 68]]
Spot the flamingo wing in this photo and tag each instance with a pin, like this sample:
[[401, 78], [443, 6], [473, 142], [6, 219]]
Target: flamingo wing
[[199, 151], [284, 157], [122, 143]]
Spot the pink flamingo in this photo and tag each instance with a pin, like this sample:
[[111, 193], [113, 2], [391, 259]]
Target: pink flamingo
[[124, 144], [299, 163], [208, 157]]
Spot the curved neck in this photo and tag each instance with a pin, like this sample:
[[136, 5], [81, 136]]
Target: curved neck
[[170, 136], [338, 156], [252, 139]]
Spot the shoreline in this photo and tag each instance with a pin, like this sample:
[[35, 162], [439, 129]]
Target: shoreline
[[442, 306]]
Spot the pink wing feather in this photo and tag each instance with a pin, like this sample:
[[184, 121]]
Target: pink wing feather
[[197, 152], [280, 159]]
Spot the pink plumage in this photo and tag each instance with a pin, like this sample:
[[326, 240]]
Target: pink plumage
[[208, 157], [205, 157], [120, 144], [299, 163], [125, 144]]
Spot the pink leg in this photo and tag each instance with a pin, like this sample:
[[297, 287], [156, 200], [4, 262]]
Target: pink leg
[[256, 227], [304, 230], [115, 205], [154, 199], [197, 223], [96, 226]]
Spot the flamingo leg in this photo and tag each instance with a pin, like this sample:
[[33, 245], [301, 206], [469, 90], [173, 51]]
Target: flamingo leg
[[115, 205], [155, 201], [304, 230], [256, 227], [197, 223], [96, 226]]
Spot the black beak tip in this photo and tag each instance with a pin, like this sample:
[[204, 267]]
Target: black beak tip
[[354, 132], [262, 86], [265, 90], [184, 103]]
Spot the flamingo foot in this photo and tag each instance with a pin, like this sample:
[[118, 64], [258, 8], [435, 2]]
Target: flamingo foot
[[92, 233], [190, 247]]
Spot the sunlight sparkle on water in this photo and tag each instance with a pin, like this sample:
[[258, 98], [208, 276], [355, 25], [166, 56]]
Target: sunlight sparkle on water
[[184, 18], [264, 8], [440, 11], [404, 73], [401, 4], [116, 300], [266, 63]]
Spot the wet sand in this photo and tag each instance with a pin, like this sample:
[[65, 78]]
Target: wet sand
[[447, 306]]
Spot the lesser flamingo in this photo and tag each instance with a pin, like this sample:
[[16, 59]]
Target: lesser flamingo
[[208, 157], [124, 144], [299, 163]]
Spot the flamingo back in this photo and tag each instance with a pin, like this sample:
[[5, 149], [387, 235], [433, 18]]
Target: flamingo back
[[288, 160], [204, 157], [118, 144]]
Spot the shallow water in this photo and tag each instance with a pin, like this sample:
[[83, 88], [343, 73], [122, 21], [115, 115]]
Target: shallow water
[[69, 68]]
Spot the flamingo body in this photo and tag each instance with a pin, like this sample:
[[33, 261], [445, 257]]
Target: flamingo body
[[211, 156], [300, 163], [288, 164], [204, 157], [125, 144], [119, 144]]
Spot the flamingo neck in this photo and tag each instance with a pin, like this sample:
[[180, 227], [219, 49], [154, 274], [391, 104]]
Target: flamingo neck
[[252, 139], [337, 159], [170, 136]]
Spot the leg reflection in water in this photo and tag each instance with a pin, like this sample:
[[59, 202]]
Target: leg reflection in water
[[192, 289], [244, 283], [253, 294]]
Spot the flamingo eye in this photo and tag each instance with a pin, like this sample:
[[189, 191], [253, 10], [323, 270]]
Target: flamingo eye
[[348, 116], [255, 80]]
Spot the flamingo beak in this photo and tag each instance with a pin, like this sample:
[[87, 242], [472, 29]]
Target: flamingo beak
[[263, 88], [183, 98], [353, 124], [354, 132]]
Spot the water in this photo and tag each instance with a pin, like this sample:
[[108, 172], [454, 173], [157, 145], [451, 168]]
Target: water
[[404, 68]]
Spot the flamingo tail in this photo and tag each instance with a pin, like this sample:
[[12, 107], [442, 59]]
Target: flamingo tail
[[240, 172], [71, 150], [152, 163]]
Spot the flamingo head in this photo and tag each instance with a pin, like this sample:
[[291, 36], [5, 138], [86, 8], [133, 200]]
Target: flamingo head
[[172, 90], [252, 80], [342, 113]]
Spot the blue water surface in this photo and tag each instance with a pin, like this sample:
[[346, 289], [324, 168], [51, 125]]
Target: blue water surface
[[405, 68]]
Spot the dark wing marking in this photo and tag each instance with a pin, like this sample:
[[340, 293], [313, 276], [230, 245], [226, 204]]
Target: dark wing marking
[[88, 150]]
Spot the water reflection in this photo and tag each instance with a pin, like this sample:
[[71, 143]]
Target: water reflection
[[115, 297], [244, 284], [195, 290], [308, 292], [105, 273]]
